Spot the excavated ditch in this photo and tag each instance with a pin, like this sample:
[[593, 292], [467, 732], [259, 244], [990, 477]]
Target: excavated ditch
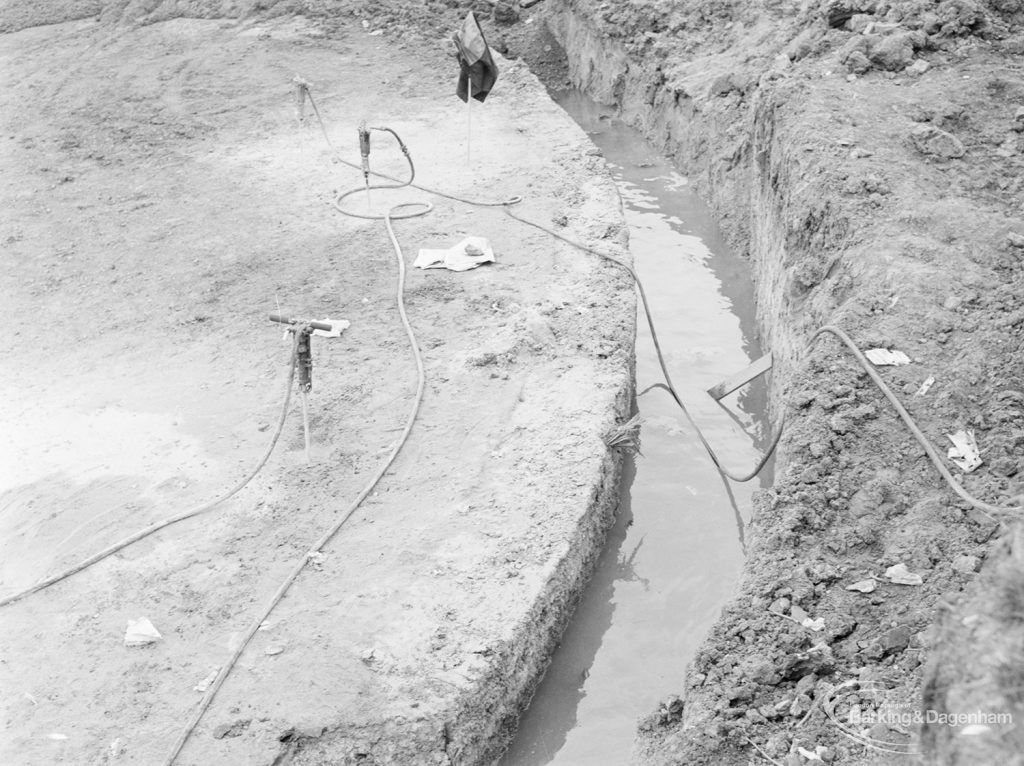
[[675, 552], [767, 141], [917, 257], [749, 208], [576, 716]]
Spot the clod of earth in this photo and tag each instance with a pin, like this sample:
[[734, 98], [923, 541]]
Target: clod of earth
[[936, 142]]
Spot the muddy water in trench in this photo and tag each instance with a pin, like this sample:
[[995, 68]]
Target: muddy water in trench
[[673, 557]]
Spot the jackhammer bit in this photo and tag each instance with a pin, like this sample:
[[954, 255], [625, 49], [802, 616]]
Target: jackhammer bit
[[304, 359], [364, 150], [301, 91], [303, 351]]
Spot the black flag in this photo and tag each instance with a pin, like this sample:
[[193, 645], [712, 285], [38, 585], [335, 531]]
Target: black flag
[[478, 71]]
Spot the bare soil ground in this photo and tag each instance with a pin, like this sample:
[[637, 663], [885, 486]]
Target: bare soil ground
[[866, 155], [161, 198]]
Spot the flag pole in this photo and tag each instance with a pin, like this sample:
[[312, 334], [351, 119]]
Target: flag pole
[[469, 127]]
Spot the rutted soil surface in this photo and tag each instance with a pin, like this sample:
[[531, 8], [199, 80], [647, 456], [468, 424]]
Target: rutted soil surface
[[160, 199], [867, 157]]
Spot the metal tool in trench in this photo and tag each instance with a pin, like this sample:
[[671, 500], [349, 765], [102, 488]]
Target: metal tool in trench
[[751, 372], [754, 369], [302, 329]]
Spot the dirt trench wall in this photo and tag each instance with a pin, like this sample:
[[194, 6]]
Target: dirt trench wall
[[817, 179], [728, 145], [481, 722]]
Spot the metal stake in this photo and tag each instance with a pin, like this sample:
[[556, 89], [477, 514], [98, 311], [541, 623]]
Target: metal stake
[[305, 424]]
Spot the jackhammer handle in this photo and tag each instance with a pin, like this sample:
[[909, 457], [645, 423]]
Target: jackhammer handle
[[290, 320]]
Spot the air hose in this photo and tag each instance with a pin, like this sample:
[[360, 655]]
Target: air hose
[[909, 421], [421, 208], [417, 208], [146, 532], [304, 88], [406, 210], [411, 210], [506, 205], [668, 385]]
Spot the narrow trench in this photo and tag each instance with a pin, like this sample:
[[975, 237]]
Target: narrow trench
[[673, 557]]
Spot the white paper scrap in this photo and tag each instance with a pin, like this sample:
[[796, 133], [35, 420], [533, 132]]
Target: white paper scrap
[[964, 451], [141, 632], [900, 575], [468, 254], [338, 326], [883, 357]]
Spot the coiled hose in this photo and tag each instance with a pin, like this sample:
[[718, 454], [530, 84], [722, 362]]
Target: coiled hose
[[506, 205]]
